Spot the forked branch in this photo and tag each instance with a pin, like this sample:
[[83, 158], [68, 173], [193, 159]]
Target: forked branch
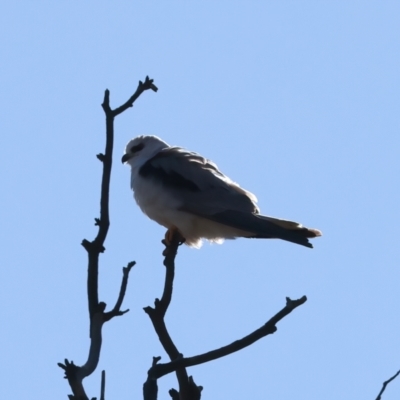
[[267, 329], [97, 315], [188, 390], [76, 374]]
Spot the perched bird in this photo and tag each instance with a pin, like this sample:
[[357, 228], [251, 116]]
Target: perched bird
[[184, 191]]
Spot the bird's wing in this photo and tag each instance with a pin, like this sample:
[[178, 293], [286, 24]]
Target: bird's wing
[[201, 189], [197, 183]]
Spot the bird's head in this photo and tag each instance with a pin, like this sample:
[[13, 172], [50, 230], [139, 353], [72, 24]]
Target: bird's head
[[141, 149]]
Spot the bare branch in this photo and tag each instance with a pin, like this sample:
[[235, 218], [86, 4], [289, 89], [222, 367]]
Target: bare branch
[[266, 329], [116, 311], [194, 391], [142, 86], [98, 317], [169, 254], [75, 374], [71, 371], [150, 387], [157, 315], [103, 385], [386, 383], [174, 394], [96, 247], [187, 388], [124, 283]]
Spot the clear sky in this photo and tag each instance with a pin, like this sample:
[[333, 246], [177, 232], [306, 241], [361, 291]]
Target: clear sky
[[298, 101]]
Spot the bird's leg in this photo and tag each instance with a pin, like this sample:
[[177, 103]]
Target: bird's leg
[[172, 239], [169, 234], [173, 234]]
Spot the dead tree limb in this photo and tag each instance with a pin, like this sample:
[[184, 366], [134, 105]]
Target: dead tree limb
[[268, 328], [103, 385], [188, 390], [157, 314], [97, 315], [386, 383]]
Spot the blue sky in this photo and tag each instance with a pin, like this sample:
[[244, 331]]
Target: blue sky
[[296, 101]]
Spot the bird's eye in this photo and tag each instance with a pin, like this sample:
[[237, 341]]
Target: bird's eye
[[137, 148]]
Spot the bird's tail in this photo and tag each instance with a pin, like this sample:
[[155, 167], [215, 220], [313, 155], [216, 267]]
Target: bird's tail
[[286, 230], [294, 226], [263, 227]]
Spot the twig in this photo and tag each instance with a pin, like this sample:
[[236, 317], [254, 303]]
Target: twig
[[103, 385], [117, 308], [386, 383], [146, 85], [266, 329]]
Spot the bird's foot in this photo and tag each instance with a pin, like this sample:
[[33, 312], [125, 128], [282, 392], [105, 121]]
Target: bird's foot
[[172, 237]]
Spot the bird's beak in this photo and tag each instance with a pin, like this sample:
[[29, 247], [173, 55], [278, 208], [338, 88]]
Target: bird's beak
[[125, 158]]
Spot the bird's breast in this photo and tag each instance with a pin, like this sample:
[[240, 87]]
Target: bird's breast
[[155, 201]]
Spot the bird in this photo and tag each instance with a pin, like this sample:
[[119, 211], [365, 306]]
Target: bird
[[187, 193]]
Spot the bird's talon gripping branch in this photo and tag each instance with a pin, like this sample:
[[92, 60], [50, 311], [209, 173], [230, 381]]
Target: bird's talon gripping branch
[[172, 239], [173, 234]]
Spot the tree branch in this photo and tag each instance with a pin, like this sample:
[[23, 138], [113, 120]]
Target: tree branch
[[116, 311], [76, 374], [267, 329], [146, 85], [97, 316], [103, 385], [386, 383], [150, 387], [157, 315], [96, 247], [187, 388]]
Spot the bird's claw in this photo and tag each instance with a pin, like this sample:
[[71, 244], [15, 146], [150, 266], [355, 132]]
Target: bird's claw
[[172, 236]]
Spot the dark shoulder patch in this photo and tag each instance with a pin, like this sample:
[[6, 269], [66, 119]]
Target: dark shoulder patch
[[171, 179]]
